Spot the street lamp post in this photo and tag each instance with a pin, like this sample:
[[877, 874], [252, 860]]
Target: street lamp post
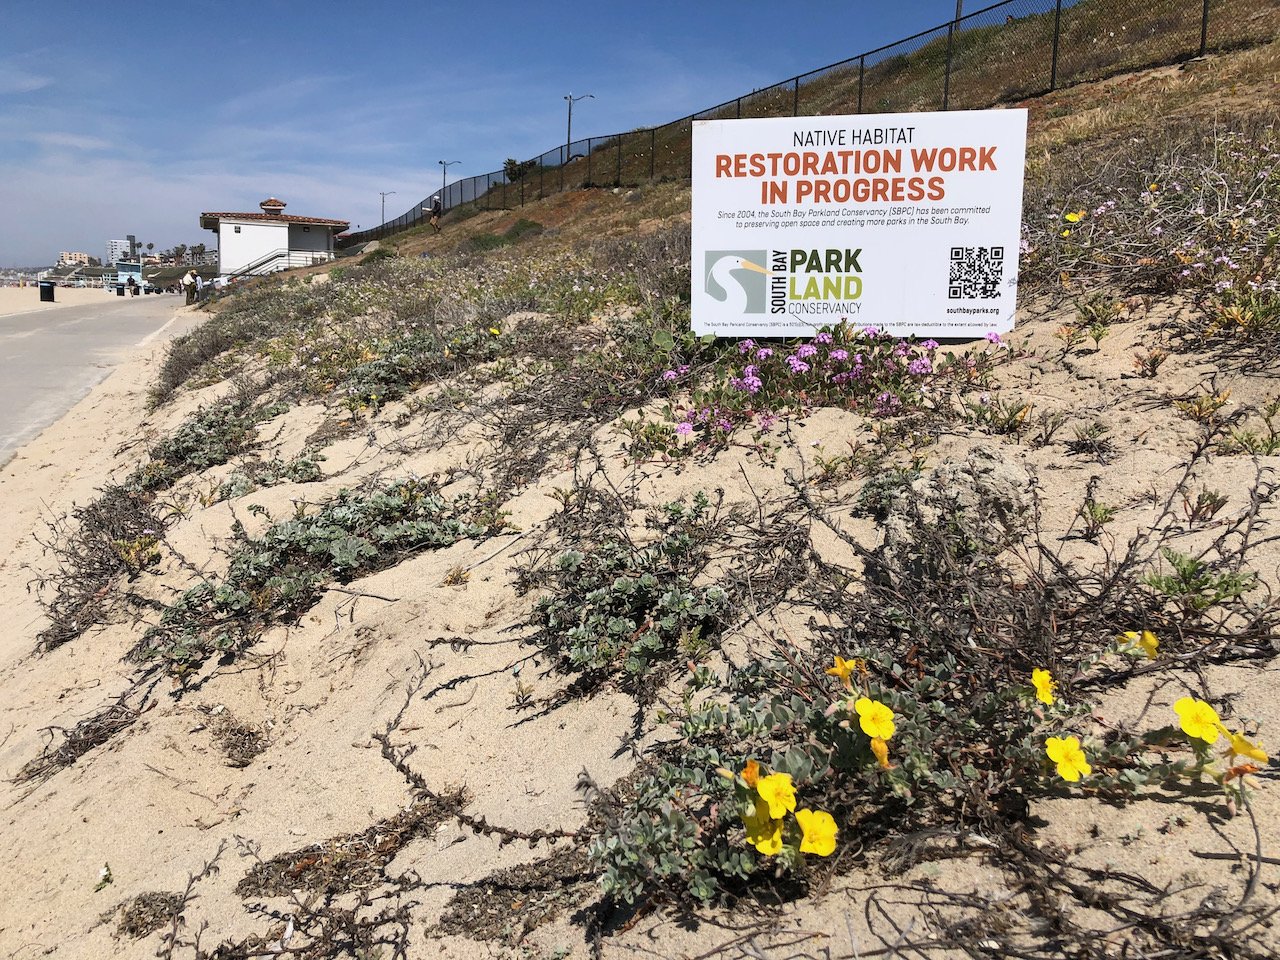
[[444, 175], [568, 134], [384, 194]]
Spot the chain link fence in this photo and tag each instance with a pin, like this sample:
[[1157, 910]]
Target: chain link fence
[[1002, 53]]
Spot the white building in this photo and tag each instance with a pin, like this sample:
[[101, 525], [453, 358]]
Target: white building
[[117, 250], [251, 243]]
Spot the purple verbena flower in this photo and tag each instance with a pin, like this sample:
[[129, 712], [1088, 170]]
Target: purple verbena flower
[[684, 429], [806, 350], [797, 365], [822, 337], [993, 337], [887, 404], [746, 346], [920, 366], [764, 353], [670, 375], [839, 354]]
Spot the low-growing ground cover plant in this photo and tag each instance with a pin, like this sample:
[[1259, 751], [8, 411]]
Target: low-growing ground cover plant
[[867, 371], [950, 692], [1181, 208], [277, 576], [614, 607], [209, 437]]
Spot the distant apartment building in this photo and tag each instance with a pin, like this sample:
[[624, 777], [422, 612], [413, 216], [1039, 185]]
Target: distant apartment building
[[68, 258], [117, 250]]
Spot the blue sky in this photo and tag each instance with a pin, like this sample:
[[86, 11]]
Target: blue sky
[[114, 122]]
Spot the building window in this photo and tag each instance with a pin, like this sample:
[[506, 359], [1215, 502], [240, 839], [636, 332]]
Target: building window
[[306, 229], [237, 229]]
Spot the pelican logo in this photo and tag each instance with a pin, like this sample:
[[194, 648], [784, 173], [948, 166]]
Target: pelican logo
[[737, 278]]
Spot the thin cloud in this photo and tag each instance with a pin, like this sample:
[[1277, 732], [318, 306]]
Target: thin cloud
[[15, 80], [70, 141]]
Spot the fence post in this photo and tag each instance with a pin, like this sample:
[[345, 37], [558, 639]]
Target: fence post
[[862, 72], [739, 108], [617, 180], [1057, 25], [564, 162], [653, 149], [588, 161], [795, 98], [542, 169], [946, 77], [522, 191], [1204, 28]]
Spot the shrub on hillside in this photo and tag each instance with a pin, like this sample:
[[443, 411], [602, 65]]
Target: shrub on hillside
[[945, 695]]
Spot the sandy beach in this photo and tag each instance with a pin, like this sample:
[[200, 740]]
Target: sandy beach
[[27, 299]]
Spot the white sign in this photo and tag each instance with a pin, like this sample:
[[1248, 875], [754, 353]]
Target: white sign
[[908, 222]]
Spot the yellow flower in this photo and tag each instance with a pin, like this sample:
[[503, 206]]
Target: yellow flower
[[776, 790], [1241, 747], [881, 751], [1075, 216], [751, 773], [1146, 642], [1198, 720], [1066, 233], [819, 831], [1045, 685], [495, 331], [1154, 187], [875, 719], [763, 831], [1071, 761], [844, 670]]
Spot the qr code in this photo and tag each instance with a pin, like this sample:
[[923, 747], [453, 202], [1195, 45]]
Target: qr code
[[976, 273]]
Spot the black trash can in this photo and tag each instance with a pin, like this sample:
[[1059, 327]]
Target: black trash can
[[119, 289], [46, 291]]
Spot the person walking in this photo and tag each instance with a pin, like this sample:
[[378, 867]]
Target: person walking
[[435, 210], [199, 288], [189, 285]]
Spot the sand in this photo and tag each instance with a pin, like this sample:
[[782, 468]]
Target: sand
[[27, 299], [156, 803]]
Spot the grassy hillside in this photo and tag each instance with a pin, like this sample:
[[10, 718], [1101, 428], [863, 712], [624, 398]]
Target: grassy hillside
[[466, 605], [992, 62]]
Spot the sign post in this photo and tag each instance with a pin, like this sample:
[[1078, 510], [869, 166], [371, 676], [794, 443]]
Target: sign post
[[910, 223]]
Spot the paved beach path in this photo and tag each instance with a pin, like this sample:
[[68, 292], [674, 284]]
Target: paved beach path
[[51, 355]]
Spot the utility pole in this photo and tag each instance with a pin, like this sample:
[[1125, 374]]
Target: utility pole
[[384, 194], [444, 175], [568, 134]]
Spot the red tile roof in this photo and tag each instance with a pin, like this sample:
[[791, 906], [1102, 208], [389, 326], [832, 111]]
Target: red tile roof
[[275, 218]]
